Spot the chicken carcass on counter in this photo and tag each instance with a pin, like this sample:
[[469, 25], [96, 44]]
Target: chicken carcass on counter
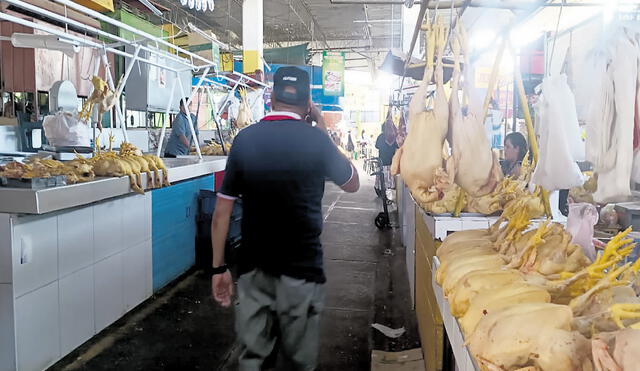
[[529, 299]]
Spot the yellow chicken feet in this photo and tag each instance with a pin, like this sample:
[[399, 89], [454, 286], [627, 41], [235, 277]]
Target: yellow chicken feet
[[610, 280], [620, 312], [528, 254]]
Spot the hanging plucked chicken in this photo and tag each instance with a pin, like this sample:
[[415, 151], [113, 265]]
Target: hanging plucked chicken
[[475, 165], [103, 97], [244, 118], [420, 156]]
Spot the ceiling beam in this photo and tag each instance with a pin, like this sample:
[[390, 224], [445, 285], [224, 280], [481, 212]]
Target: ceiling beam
[[372, 2], [314, 22]]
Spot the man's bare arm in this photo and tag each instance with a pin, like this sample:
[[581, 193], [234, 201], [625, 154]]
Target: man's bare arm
[[220, 228]]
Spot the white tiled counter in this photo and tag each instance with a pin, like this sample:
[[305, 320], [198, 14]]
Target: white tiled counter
[[74, 273], [75, 259]]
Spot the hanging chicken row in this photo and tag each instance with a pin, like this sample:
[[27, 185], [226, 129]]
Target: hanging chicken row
[[437, 180]]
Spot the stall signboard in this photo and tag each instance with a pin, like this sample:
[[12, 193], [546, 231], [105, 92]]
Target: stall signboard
[[333, 73]]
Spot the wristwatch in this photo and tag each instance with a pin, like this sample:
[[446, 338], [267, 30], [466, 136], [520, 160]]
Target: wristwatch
[[219, 270]]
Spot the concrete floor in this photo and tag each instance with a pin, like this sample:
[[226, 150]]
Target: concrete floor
[[181, 328]]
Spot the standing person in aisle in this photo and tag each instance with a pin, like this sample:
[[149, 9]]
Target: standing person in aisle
[[181, 139], [278, 167], [387, 146], [350, 146]]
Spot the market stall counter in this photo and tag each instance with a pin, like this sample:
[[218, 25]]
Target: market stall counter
[[74, 259], [435, 327]]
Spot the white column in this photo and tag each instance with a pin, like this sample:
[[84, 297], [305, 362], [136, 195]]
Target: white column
[[252, 35]]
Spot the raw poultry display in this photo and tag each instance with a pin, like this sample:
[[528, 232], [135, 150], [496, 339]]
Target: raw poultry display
[[76, 171], [530, 298], [131, 163], [584, 193], [476, 166], [421, 153], [244, 118], [214, 149], [102, 96], [507, 190], [535, 335], [617, 351], [559, 137]]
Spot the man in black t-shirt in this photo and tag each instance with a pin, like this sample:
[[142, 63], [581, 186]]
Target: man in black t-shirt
[[278, 167]]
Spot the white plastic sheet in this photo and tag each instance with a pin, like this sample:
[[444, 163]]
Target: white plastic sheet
[[65, 129], [580, 223], [560, 142]]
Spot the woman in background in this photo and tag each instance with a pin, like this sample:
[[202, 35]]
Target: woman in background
[[515, 148], [350, 146]]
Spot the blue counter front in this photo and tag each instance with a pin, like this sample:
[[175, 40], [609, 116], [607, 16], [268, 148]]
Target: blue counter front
[[173, 233]]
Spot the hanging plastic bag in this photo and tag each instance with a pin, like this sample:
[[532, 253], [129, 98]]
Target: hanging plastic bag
[[560, 141], [582, 218], [64, 129]]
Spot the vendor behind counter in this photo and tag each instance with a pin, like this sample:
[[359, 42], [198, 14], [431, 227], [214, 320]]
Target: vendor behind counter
[[515, 148], [181, 139]]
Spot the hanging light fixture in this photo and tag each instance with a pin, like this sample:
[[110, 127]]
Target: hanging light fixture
[[199, 5], [50, 42]]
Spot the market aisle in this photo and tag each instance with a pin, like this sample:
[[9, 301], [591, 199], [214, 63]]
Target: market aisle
[[183, 329]]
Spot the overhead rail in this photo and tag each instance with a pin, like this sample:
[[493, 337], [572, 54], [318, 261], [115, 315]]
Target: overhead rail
[[139, 45]]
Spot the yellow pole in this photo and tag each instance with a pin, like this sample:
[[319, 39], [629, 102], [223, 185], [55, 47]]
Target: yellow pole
[[533, 141], [493, 79]]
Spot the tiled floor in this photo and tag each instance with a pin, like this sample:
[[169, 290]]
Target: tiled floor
[[182, 329]]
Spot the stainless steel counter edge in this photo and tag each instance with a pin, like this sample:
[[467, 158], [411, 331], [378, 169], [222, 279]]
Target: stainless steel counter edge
[[27, 201]]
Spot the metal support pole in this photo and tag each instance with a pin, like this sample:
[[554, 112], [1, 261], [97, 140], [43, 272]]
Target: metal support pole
[[165, 122], [134, 60], [199, 84], [186, 108], [121, 119], [96, 70], [215, 121], [231, 93], [533, 141]]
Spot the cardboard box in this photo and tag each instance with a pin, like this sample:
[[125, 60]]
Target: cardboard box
[[8, 121]]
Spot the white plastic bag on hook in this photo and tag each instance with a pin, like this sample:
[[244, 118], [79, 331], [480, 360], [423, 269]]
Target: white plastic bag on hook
[[560, 142]]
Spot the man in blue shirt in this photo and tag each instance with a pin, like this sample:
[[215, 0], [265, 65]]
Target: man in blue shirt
[[180, 139]]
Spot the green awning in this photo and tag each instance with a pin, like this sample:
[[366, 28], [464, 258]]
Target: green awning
[[296, 55]]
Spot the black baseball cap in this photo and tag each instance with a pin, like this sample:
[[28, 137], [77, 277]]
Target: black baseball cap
[[291, 86]]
